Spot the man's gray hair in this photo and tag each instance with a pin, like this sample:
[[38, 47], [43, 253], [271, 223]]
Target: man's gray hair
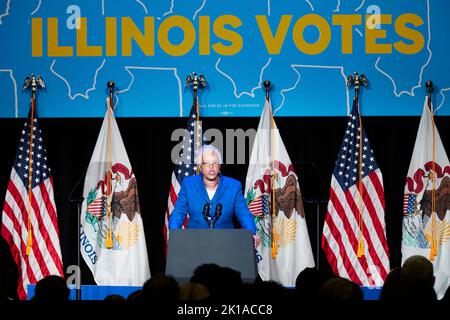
[[205, 149]]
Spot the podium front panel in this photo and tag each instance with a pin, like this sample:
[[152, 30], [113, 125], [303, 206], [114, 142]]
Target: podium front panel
[[190, 248]]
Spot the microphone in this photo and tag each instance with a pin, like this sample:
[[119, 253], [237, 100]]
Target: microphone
[[206, 215], [217, 213]]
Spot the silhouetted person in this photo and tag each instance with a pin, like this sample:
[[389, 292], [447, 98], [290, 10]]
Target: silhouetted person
[[417, 279], [391, 290], [200, 196], [308, 284], [114, 297], [135, 295], [230, 283], [207, 275], [8, 273], [268, 291], [446, 296], [193, 291], [161, 288], [223, 283], [51, 288], [340, 289]]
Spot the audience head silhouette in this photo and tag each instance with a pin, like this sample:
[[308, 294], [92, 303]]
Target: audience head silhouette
[[161, 287], [206, 274], [417, 279], [114, 297], [193, 291], [418, 269], [51, 288], [9, 273], [221, 282], [270, 290], [308, 283], [391, 287], [446, 297], [340, 289], [135, 295]]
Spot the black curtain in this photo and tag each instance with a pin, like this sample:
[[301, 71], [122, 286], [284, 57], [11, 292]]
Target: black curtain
[[312, 143]]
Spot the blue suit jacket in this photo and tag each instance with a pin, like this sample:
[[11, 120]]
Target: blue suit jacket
[[193, 197]]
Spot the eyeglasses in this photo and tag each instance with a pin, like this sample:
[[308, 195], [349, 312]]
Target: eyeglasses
[[210, 164]]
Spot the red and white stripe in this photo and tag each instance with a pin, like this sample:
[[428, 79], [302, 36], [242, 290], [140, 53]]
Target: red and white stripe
[[256, 207], [96, 207], [341, 232], [45, 256], [173, 196]]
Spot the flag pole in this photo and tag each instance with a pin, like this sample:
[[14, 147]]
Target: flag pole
[[356, 81], [196, 81], [267, 86], [433, 249], [31, 83], [108, 240]]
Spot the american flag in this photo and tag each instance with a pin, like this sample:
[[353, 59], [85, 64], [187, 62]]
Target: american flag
[[186, 164], [98, 207], [259, 206], [409, 203], [36, 213], [352, 219]]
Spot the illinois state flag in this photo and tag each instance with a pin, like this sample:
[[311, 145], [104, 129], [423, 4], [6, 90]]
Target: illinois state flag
[[426, 221], [112, 233], [354, 231], [29, 219], [284, 249]]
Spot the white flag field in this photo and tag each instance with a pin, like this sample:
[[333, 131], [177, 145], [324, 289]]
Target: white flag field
[[426, 221], [112, 238], [284, 248]]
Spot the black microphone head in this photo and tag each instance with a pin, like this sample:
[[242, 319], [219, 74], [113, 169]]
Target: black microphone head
[[206, 209], [218, 211]]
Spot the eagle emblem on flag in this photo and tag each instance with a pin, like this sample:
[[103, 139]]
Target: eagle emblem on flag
[[417, 232], [287, 200], [114, 196]]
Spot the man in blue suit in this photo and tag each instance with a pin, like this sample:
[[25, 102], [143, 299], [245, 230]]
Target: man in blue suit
[[210, 198]]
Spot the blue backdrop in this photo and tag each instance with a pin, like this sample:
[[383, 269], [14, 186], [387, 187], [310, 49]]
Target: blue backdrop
[[306, 48]]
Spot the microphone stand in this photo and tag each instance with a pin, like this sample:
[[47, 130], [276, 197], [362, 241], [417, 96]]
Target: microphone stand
[[77, 197], [211, 220], [317, 201]]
